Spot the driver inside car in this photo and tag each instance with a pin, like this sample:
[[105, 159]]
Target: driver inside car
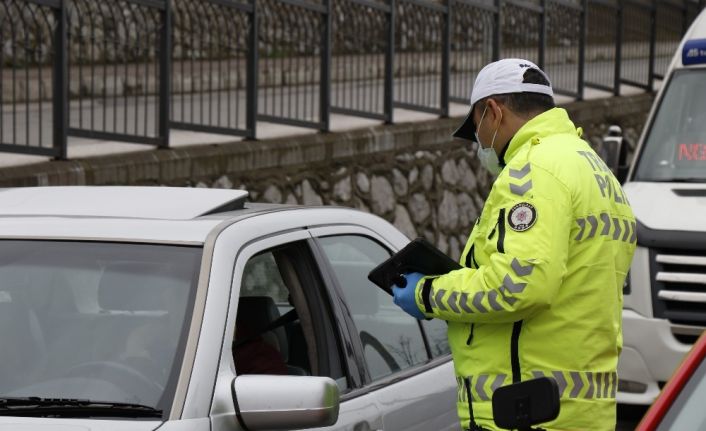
[[253, 355]]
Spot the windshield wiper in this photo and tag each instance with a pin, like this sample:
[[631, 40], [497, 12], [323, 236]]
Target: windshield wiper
[[71, 407], [688, 180]]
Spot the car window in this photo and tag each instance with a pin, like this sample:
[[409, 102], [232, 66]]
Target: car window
[[391, 339], [260, 348], [261, 277], [91, 320], [436, 332], [278, 322], [687, 411]]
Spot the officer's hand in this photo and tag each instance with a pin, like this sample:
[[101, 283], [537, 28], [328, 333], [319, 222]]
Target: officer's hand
[[404, 297]]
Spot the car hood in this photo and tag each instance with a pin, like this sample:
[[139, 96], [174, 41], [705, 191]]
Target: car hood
[[51, 424], [668, 206]]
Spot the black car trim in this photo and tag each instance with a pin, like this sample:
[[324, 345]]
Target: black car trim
[[679, 239]]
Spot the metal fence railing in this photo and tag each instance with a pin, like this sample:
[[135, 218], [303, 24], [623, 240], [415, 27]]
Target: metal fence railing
[[361, 69], [213, 67], [132, 70], [565, 47], [670, 25], [523, 30], [692, 10], [421, 49], [603, 42], [294, 63], [32, 55], [636, 51], [475, 42], [119, 46]]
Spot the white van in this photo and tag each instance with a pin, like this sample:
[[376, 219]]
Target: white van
[[665, 295]]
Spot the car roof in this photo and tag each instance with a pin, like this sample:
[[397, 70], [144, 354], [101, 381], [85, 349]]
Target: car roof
[[160, 203], [131, 214]]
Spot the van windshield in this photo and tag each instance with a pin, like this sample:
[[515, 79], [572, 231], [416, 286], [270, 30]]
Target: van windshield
[[675, 147], [94, 321]]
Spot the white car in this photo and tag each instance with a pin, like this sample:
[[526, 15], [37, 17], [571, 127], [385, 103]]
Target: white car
[[137, 308]]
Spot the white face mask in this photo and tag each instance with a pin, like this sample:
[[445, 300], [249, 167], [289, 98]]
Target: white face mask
[[487, 156]]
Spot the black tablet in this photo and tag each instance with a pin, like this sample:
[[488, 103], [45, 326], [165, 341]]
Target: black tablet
[[417, 256]]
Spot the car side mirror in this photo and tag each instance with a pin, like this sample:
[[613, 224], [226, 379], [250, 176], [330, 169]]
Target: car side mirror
[[265, 402], [614, 152], [522, 405]]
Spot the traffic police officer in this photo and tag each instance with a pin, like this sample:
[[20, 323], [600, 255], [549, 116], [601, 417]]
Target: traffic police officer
[[540, 291]]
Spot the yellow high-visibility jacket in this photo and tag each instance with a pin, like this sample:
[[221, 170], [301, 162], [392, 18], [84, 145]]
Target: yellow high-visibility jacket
[[541, 288]]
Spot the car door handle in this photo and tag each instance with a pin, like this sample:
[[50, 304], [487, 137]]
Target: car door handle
[[364, 426]]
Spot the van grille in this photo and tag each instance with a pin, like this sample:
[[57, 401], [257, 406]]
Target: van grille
[[679, 285]]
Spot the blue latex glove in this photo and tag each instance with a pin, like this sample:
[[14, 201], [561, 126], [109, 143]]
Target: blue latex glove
[[404, 297]]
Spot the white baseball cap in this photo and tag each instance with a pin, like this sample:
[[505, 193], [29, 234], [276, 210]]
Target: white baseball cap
[[501, 77]]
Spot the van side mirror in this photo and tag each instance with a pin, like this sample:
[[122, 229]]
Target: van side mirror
[[614, 152], [264, 402], [522, 405]]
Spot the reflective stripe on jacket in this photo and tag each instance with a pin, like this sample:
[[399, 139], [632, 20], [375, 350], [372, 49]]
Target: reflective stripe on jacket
[[541, 288]]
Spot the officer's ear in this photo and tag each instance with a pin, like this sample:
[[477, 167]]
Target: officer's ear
[[495, 112]]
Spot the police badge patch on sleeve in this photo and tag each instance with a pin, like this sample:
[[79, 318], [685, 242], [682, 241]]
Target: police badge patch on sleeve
[[522, 217]]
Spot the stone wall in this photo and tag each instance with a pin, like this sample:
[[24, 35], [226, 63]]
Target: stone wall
[[435, 193], [412, 174]]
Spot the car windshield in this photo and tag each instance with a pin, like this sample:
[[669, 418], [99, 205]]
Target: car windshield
[[98, 321], [675, 147], [687, 411]]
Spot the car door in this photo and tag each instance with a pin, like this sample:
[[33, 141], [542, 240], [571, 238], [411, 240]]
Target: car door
[[273, 276], [408, 365]]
